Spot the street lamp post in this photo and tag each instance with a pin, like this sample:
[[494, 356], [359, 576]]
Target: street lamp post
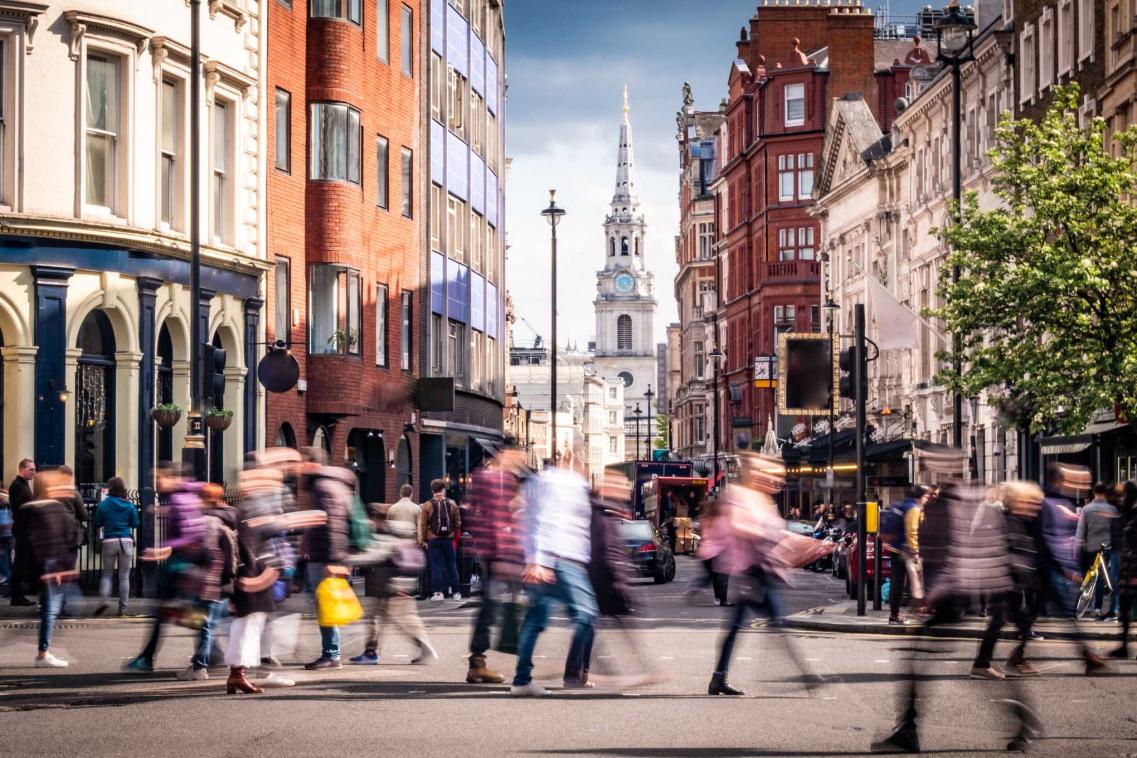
[[195, 432], [553, 215], [831, 313], [716, 357], [954, 35], [649, 395], [636, 416]]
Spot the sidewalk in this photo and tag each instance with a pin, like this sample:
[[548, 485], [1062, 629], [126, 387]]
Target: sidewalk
[[842, 617]]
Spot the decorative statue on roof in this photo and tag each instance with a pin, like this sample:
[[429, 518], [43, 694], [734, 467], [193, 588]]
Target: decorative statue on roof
[[917, 56], [688, 98]]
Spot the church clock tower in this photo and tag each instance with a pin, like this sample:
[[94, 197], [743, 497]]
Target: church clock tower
[[625, 299]]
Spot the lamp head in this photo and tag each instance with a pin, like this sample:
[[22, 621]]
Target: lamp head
[[553, 213], [954, 31]]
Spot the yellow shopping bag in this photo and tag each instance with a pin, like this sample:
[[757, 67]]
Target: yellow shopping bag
[[336, 604]]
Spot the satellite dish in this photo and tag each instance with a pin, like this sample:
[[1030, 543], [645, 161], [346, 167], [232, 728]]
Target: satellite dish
[[278, 371]]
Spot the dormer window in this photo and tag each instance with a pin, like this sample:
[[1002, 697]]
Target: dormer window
[[794, 95]]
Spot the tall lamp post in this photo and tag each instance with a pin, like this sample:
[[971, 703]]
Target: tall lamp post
[[553, 215], [649, 395], [954, 34], [636, 416], [716, 357], [831, 315]]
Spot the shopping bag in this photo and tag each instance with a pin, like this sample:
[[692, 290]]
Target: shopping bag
[[510, 628], [336, 603]]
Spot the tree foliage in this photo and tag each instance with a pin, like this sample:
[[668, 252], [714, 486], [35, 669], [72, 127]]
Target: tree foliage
[[1046, 302]]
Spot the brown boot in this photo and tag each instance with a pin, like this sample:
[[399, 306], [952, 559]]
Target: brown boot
[[479, 673], [1095, 666], [238, 683]]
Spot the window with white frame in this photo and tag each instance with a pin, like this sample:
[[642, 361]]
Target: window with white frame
[[346, 10], [612, 445], [221, 181], [382, 172], [456, 351], [491, 254], [170, 142], [1046, 49], [478, 350], [785, 177], [804, 175], [491, 141], [103, 117], [383, 30], [283, 131], [611, 418], [1085, 29], [406, 332], [335, 137], [437, 208], [784, 314], [438, 74], [706, 240], [456, 228], [611, 393], [408, 41], [1028, 64], [477, 239], [334, 310], [408, 176], [700, 359], [795, 243], [437, 341], [1065, 36], [458, 89], [381, 305], [477, 123], [794, 96], [282, 301]]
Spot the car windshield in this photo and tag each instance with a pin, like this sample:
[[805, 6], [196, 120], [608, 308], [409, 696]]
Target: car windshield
[[636, 530]]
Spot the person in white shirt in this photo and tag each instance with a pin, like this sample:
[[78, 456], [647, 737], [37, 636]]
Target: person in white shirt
[[557, 540]]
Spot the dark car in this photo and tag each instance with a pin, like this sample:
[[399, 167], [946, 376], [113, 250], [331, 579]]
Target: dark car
[[649, 553]]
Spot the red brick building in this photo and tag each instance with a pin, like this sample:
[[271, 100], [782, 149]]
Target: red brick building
[[346, 224], [792, 61]]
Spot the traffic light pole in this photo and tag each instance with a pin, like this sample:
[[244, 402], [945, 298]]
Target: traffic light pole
[[194, 452], [860, 377]]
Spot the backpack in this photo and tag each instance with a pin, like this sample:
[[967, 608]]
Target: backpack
[[441, 521], [892, 526], [225, 539], [360, 528]]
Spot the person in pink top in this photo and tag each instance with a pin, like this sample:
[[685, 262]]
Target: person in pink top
[[715, 538]]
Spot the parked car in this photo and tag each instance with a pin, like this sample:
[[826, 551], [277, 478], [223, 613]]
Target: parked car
[[800, 527], [649, 553], [851, 566]]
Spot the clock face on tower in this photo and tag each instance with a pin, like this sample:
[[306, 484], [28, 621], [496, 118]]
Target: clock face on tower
[[625, 282]]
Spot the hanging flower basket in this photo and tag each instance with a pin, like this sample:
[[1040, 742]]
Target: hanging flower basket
[[166, 415], [218, 420]]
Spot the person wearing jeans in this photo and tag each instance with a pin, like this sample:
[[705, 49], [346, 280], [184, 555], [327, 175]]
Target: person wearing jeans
[[439, 522], [327, 546], [443, 566], [54, 532], [115, 521]]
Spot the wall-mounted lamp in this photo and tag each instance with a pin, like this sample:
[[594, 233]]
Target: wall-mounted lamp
[[63, 394], [391, 459]]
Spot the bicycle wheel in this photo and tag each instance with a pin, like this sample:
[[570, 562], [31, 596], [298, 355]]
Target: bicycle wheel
[[1086, 594]]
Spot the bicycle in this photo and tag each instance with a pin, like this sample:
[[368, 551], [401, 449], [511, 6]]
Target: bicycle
[[1099, 569]]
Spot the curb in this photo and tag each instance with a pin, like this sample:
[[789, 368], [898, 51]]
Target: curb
[[810, 621]]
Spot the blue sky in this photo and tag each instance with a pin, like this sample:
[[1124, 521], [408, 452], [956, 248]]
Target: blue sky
[[567, 63]]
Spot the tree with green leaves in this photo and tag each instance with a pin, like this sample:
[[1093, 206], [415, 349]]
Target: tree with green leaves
[[662, 432], [1045, 308]]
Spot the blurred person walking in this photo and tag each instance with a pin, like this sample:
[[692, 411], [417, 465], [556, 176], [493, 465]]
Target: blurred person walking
[[331, 490], [760, 553], [1093, 534], [1022, 504], [900, 535], [493, 494], [23, 575], [557, 524], [53, 532], [183, 550], [115, 521], [715, 539], [1127, 570], [440, 521]]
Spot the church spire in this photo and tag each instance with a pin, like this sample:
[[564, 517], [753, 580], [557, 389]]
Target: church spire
[[625, 201]]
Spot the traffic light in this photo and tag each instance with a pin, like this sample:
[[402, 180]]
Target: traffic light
[[212, 373], [848, 383]]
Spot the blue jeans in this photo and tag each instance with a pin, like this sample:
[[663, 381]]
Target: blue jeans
[[443, 565], [329, 635], [214, 613], [5, 559], [573, 588], [50, 603]]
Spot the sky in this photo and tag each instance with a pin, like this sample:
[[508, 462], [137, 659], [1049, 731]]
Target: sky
[[567, 62]]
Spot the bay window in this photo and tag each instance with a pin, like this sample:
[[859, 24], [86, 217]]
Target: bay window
[[103, 115], [785, 177], [804, 175], [346, 10], [334, 310], [335, 142]]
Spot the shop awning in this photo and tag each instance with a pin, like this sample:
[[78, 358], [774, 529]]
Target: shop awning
[[491, 448], [1066, 445]]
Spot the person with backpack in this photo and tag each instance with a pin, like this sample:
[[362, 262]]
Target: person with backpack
[[183, 549], [440, 522], [216, 577], [332, 490], [899, 531]]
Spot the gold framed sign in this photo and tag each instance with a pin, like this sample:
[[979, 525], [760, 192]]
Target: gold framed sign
[[807, 374]]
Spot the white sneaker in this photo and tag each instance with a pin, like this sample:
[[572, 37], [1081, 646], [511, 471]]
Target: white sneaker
[[436, 596], [275, 680], [528, 690], [191, 674], [49, 661], [457, 595], [425, 653]]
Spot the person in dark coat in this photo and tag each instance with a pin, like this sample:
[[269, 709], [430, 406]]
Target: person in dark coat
[[19, 493], [251, 605], [332, 491], [1127, 571], [52, 536]]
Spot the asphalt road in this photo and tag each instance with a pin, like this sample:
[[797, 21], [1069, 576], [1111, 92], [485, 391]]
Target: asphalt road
[[91, 709]]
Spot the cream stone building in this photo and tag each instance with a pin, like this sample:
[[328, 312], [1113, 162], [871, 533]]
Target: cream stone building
[[879, 199], [94, 229]]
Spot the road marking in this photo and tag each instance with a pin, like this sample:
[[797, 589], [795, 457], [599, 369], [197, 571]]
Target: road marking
[[812, 659], [666, 658], [400, 655], [540, 656], [744, 659], [603, 656], [417, 692], [882, 660], [828, 698]]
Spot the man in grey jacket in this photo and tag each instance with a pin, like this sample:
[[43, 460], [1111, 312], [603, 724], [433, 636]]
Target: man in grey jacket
[[1092, 535]]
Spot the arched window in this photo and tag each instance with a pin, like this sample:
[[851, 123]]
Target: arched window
[[94, 401], [165, 390], [623, 246], [624, 332], [285, 437], [637, 245], [611, 246]]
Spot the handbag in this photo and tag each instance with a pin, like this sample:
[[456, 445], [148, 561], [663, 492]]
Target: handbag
[[336, 603]]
